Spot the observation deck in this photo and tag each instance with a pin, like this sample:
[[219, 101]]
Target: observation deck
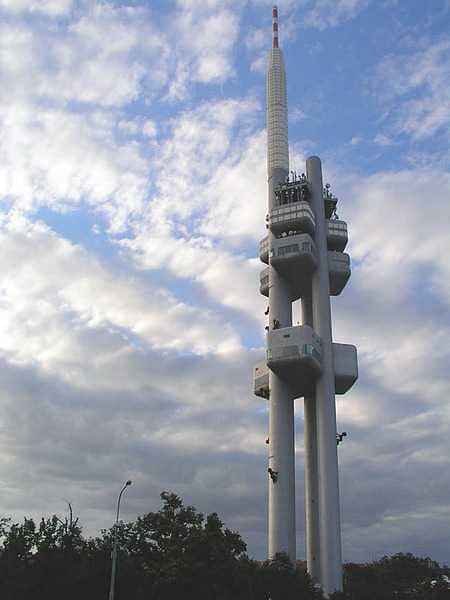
[[299, 268], [261, 379], [264, 282], [345, 367], [294, 257], [264, 250], [294, 251], [345, 374], [294, 353], [304, 220], [296, 216], [339, 270], [337, 235], [293, 190]]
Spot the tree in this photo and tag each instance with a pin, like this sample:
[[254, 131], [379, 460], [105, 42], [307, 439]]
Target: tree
[[280, 579], [177, 552], [397, 577], [40, 561]]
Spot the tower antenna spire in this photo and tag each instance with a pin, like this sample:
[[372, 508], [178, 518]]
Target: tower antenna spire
[[275, 27]]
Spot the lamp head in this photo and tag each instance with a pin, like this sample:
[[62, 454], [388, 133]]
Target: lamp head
[[129, 482]]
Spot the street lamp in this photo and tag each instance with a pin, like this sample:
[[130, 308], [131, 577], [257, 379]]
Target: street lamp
[[114, 552]]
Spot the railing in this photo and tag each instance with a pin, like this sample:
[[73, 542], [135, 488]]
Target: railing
[[289, 249], [293, 351], [300, 244], [292, 191]]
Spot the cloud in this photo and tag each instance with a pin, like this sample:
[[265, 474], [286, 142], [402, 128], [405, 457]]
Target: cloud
[[52, 8], [101, 57], [150, 129], [61, 159], [203, 37], [130, 417], [296, 114], [383, 140], [203, 213], [398, 426], [256, 39], [322, 14], [259, 65], [65, 140], [414, 87], [73, 296], [103, 372]]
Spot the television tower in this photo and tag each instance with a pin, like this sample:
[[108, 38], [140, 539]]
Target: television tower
[[305, 258]]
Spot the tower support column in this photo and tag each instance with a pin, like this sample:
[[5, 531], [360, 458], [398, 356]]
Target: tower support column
[[311, 489], [281, 517], [311, 468], [328, 480], [282, 462]]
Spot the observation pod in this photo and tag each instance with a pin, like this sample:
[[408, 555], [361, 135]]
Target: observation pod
[[292, 217], [337, 236], [345, 374], [298, 264], [339, 271], [294, 353]]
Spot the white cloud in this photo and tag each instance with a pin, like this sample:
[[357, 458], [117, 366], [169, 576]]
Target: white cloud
[[130, 127], [102, 57], [330, 13], [296, 114], [403, 205], [205, 208], [203, 34], [383, 140], [256, 39], [150, 129], [55, 296], [398, 269], [52, 8], [414, 86], [229, 279], [259, 64], [59, 159], [190, 157], [55, 153]]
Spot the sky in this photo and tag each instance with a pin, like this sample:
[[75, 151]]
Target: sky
[[133, 195]]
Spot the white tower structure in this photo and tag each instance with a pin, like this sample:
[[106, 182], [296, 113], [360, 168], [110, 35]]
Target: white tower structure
[[305, 258]]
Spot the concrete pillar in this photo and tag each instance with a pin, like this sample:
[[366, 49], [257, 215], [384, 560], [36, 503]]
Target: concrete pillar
[[281, 515], [311, 472], [282, 461], [328, 485], [311, 490]]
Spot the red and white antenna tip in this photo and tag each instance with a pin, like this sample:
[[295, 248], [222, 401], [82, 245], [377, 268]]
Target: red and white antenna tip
[[274, 27]]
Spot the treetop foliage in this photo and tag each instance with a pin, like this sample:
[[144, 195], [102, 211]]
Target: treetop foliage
[[178, 553]]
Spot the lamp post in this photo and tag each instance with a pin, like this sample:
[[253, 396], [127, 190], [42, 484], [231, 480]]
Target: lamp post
[[114, 551]]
